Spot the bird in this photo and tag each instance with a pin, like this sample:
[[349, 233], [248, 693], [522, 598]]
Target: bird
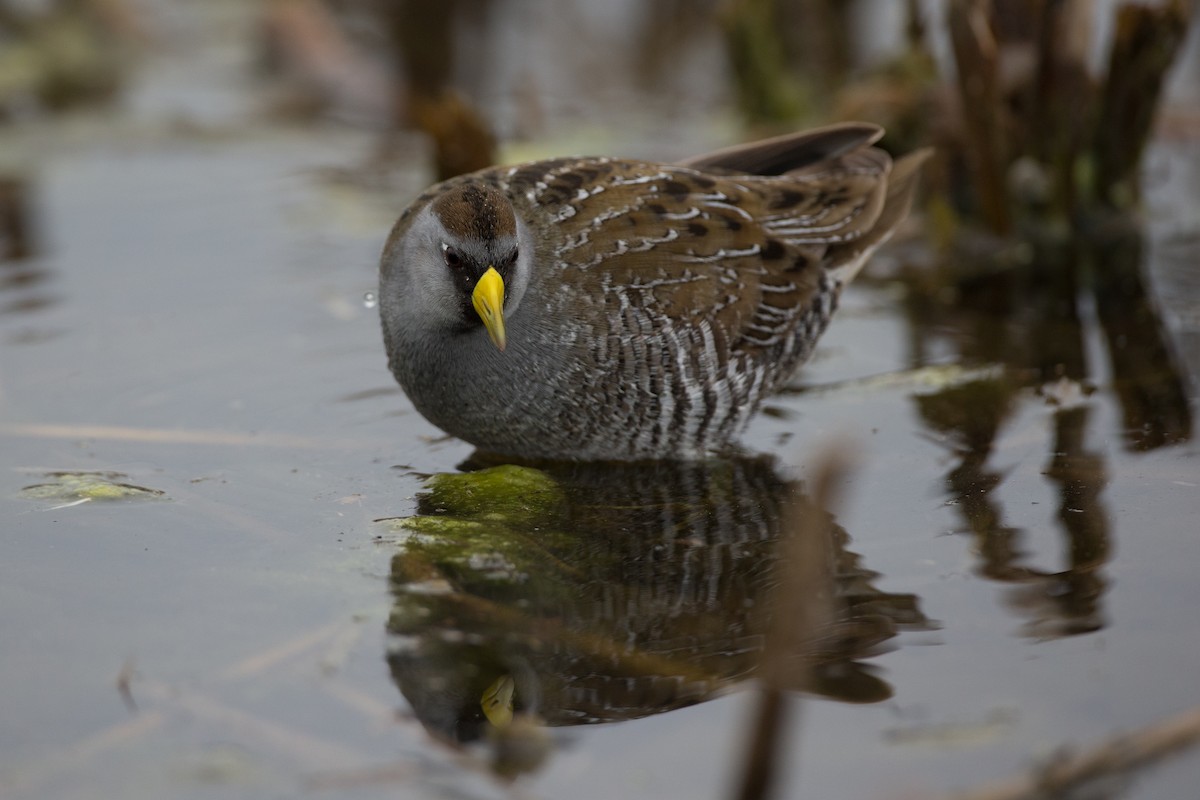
[[610, 309]]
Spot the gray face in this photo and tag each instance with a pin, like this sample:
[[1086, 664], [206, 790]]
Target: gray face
[[430, 270]]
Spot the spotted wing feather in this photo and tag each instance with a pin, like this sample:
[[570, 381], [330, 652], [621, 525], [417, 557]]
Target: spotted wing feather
[[744, 254]]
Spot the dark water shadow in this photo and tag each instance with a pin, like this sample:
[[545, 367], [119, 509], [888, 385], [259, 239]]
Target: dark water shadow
[[18, 238], [597, 593], [1035, 316], [23, 277]]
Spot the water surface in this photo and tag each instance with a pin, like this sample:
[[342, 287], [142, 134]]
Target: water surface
[[1012, 561]]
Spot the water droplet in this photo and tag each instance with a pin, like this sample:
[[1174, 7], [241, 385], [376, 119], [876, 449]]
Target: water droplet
[[370, 300]]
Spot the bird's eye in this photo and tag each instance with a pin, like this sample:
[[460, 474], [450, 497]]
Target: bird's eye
[[453, 259], [512, 259]]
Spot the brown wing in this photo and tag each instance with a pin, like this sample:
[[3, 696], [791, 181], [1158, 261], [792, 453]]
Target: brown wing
[[745, 253]]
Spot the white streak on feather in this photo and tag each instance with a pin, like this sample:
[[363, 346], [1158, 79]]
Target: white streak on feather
[[689, 214], [743, 213], [641, 179], [720, 254]]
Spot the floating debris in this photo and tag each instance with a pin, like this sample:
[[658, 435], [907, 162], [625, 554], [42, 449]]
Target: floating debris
[[997, 722], [917, 381], [76, 488]]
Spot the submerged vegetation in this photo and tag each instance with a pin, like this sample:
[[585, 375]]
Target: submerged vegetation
[[73, 488]]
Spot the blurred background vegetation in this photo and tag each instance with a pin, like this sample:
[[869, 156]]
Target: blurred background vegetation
[[1040, 109]]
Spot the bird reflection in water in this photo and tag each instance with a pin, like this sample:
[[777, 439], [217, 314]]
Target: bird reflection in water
[[595, 593], [1027, 316]]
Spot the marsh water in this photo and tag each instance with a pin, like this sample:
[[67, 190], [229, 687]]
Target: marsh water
[[212, 583]]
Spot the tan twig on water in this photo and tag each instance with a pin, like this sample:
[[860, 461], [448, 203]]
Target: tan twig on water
[[368, 705], [1121, 754], [181, 436], [300, 748], [339, 647], [597, 645], [799, 608], [266, 659], [30, 776], [233, 516], [168, 700], [361, 778]]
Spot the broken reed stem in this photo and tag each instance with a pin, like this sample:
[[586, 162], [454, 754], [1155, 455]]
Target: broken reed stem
[[1145, 43], [1084, 135], [799, 606], [976, 54], [1120, 754], [1057, 133]]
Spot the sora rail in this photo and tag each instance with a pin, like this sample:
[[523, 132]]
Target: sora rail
[[613, 309]]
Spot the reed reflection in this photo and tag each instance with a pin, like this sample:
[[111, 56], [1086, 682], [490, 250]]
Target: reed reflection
[[24, 277], [1027, 315], [1145, 370], [601, 593]]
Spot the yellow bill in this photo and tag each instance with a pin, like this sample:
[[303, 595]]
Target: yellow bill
[[488, 299], [497, 701]]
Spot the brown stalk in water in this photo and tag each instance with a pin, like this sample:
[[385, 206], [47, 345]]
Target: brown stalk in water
[[800, 609]]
